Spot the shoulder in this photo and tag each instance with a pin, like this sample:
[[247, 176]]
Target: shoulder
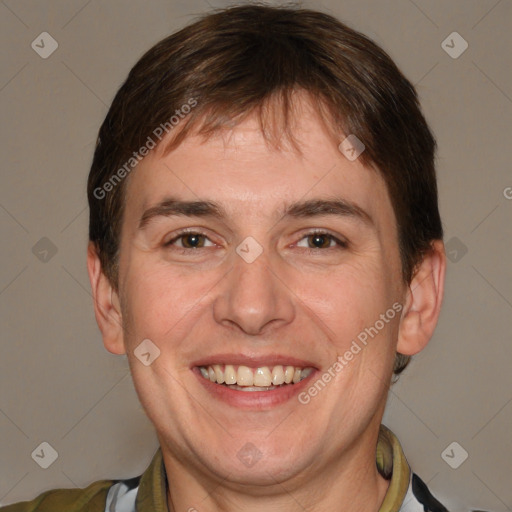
[[89, 499], [112, 495]]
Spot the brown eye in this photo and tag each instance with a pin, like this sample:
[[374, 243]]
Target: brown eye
[[192, 240], [319, 241], [188, 240]]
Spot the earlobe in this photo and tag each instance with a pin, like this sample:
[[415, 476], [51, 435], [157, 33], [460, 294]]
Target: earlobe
[[106, 304], [423, 302]]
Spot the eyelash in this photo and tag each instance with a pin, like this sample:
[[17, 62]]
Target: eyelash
[[341, 244]]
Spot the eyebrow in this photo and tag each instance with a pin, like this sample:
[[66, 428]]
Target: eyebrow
[[170, 207]]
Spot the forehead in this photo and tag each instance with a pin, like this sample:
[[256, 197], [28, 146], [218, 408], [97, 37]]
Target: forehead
[[239, 169]]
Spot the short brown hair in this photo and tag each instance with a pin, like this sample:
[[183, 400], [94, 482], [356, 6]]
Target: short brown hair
[[236, 61]]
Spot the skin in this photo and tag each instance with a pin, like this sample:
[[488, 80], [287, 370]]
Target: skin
[[309, 305]]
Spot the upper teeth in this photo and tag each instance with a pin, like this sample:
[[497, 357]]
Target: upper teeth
[[262, 376]]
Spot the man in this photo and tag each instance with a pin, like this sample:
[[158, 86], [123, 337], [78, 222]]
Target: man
[[266, 249]]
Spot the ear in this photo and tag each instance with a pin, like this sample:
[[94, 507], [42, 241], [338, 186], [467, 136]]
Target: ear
[[423, 302], [106, 304]]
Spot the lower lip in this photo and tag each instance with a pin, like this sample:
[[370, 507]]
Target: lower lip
[[255, 400]]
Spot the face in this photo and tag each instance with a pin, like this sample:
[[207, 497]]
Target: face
[[290, 258]]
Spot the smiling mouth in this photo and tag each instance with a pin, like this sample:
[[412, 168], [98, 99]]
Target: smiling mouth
[[262, 378]]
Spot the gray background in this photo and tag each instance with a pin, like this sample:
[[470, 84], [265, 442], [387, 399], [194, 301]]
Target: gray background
[[57, 382]]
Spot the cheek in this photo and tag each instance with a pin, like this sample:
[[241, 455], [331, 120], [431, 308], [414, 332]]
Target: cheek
[[348, 298], [158, 299], [167, 304]]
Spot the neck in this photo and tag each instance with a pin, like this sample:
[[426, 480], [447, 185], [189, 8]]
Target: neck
[[349, 481]]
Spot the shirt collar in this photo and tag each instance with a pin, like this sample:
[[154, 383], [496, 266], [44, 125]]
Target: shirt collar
[[390, 458], [152, 493], [392, 464]]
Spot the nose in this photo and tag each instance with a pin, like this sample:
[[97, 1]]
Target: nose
[[254, 296]]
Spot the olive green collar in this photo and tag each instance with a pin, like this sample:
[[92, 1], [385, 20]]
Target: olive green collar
[[392, 464]]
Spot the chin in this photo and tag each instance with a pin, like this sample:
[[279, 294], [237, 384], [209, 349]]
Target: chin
[[261, 462], [262, 473]]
